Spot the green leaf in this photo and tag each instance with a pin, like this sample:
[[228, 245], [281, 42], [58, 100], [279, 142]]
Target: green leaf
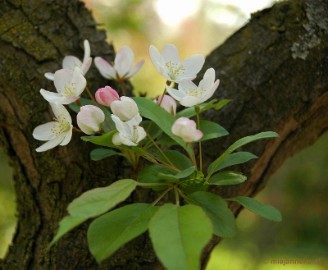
[[265, 211], [99, 200], [101, 153], [213, 104], [103, 140], [179, 235], [227, 178], [93, 203], [179, 160], [160, 117], [165, 140], [217, 210], [185, 173], [211, 130], [235, 159], [176, 177], [241, 142], [152, 174], [65, 225], [111, 231]]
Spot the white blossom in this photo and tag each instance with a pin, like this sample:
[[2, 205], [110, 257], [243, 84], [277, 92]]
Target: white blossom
[[129, 132], [57, 132], [90, 118], [123, 65], [125, 108], [168, 63], [189, 94], [70, 62], [186, 129], [69, 86]]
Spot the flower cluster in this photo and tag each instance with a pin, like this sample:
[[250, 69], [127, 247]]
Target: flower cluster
[[70, 83]]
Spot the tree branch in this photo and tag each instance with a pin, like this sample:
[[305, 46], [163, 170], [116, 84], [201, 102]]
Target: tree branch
[[275, 69]]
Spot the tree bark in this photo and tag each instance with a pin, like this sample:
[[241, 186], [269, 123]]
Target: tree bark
[[275, 69]]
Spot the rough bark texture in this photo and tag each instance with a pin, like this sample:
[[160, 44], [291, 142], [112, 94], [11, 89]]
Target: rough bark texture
[[275, 69]]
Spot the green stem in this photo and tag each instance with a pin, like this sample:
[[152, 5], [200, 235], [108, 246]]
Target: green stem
[[197, 108], [122, 86], [162, 153], [151, 184], [192, 155], [177, 199], [162, 195], [90, 95]]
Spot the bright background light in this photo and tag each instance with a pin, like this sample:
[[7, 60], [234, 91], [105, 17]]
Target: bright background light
[[173, 12]]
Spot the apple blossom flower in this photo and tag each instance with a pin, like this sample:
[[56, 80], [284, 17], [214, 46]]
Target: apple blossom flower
[[186, 129], [169, 65], [125, 108], [190, 94], [123, 65], [90, 118], [58, 132], [105, 96], [129, 132], [71, 62], [68, 85], [167, 103]]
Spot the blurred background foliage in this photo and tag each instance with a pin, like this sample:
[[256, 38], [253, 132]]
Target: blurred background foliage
[[299, 188]]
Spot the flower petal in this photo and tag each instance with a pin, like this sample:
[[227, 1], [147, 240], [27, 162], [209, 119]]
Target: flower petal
[[62, 77], [68, 137], [208, 79], [61, 112], [156, 58], [123, 61], [189, 101], [187, 86], [209, 93], [135, 121], [170, 54], [49, 76], [86, 65], [127, 140], [87, 51], [135, 69], [105, 69], [116, 139], [70, 62], [44, 132], [52, 143], [192, 65], [141, 134], [78, 82], [120, 125], [176, 94], [57, 98]]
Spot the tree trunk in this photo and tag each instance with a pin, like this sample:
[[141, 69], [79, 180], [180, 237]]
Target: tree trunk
[[275, 69]]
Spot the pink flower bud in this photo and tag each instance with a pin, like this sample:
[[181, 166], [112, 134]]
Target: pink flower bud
[[167, 103], [89, 119], [105, 96], [186, 129], [125, 108]]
